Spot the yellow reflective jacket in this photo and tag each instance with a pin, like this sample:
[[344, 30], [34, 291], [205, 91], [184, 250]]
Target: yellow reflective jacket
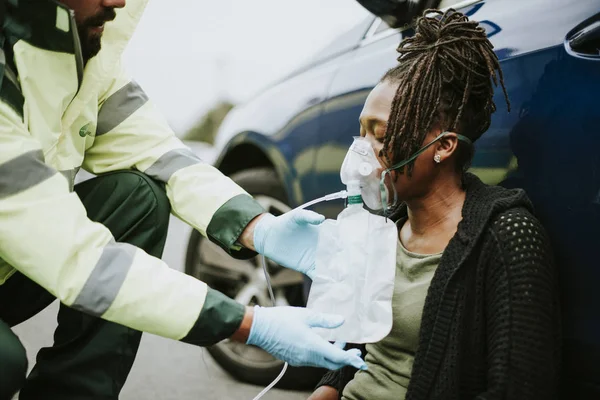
[[57, 116]]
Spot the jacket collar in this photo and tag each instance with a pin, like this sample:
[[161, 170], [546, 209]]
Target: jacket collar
[[37, 31], [45, 25], [42, 23]]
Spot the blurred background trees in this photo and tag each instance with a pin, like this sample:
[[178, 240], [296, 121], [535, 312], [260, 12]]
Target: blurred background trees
[[207, 127]]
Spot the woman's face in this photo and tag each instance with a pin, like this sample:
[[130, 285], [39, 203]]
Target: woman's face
[[373, 126]]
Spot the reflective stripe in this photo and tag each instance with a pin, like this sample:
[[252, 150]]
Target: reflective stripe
[[120, 106], [171, 162], [23, 172], [106, 279], [70, 174]]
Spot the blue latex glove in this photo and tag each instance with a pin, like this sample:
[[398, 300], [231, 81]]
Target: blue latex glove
[[290, 239], [285, 332]]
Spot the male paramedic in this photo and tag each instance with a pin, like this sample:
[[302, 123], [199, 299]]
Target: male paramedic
[[66, 103]]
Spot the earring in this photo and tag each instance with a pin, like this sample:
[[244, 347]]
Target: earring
[[437, 158]]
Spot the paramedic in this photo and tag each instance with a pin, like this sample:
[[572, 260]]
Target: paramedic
[[66, 103]]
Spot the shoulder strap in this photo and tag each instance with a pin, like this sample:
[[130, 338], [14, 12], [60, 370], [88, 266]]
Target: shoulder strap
[[10, 90], [2, 19]]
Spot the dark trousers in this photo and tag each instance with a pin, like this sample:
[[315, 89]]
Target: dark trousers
[[91, 357]]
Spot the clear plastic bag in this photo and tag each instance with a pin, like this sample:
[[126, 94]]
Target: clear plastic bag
[[354, 276]]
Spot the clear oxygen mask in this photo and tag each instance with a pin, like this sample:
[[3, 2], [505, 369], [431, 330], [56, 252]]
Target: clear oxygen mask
[[356, 257]]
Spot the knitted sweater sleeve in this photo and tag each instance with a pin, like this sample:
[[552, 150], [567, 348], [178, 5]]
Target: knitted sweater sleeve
[[340, 378], [523, 328]]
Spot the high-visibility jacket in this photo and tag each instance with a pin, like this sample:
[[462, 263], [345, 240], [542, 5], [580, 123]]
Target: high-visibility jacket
[[57, 115]]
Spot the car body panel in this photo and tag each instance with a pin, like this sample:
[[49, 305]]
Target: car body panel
[[288, 133]]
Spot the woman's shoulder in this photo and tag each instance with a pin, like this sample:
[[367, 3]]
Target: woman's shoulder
[[515, 221], [519, 235], [496, 208], [519, 256]]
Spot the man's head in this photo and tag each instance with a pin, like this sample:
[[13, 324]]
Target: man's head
[[90, 16]]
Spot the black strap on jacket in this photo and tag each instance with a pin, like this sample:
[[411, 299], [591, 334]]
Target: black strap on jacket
[[2, 18]]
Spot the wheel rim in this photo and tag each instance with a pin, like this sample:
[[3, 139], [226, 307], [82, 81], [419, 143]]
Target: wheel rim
[[244, 280]]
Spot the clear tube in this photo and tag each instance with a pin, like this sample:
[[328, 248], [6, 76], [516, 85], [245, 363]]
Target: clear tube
[[265, 390], [332, 196], [284, 369]]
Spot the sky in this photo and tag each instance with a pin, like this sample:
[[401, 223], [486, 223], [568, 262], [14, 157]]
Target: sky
[[188, 54]]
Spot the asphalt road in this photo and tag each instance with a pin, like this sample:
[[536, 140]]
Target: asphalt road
[[164, 369]]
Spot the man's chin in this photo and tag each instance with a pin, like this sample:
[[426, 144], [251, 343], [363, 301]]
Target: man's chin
[[91, 47]]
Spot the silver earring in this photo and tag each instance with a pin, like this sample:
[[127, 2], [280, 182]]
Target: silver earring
[[437, 158]]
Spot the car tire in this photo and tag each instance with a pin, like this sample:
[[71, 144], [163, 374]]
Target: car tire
[[207, 262]]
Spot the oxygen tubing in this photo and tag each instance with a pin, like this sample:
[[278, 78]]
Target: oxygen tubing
[[332, 196]]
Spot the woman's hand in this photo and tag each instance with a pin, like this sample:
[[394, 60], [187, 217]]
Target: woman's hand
[[324, 393]]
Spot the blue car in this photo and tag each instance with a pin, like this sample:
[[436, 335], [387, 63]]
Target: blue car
[[286, 147]]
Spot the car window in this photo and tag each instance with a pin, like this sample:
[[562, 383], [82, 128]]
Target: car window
[[449, 3], [345, 40], [380, 26]]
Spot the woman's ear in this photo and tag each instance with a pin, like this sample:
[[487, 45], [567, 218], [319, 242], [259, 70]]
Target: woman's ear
[[446, 147]]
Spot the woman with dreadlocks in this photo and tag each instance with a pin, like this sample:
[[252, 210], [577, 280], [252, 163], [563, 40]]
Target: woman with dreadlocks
[[475, 299]]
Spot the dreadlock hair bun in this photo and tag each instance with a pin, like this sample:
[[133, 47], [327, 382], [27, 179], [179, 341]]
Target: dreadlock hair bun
[[446, 75]]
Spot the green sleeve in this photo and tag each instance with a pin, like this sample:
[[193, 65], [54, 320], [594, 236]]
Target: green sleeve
[[219, 319], [228, 223]]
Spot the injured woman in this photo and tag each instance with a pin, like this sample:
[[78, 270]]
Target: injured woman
[[475, 299]]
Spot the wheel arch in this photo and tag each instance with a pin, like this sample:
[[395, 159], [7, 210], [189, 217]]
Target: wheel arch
[[252, 150]]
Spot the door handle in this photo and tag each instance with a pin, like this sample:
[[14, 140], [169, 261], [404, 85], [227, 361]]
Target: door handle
[[584, 40]]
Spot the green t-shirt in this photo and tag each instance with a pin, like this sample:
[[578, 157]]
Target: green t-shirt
[[390, 361]]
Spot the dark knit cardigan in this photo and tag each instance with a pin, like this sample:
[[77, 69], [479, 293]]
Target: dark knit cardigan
[[491, 324]]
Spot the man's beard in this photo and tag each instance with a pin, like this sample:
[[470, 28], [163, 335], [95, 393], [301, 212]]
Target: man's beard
[[92, 42]]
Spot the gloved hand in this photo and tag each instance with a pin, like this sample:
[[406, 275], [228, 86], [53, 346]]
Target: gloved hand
[[289, 239], [285, 332]]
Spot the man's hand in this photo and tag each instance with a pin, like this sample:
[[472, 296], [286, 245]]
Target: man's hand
[[246, 239], [290, 239], [285, 332], [325, 393], [242, 333]]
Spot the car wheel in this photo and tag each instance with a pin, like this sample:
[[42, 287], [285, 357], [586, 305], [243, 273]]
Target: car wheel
[[244, 281]]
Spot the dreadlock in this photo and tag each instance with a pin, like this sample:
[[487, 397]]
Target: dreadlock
[[445, 76]]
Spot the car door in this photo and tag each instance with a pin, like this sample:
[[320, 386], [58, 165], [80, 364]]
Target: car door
[[553, 133], [547, 146]]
